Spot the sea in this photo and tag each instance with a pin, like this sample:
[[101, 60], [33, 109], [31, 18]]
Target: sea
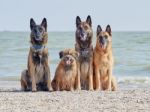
[[131, 52]]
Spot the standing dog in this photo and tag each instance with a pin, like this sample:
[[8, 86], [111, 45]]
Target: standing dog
[[103, 60], [66, 77], [37, 76], [84, 34]]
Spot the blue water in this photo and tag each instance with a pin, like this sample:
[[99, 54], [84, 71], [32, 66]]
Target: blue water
[[131, 52]]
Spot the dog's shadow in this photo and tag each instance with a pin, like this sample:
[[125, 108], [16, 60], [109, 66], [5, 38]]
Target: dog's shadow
[[10, 90], [21, 91]]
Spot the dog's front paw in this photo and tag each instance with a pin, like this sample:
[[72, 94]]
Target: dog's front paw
[[108, 89], [50, 89], [98, 89], [71, 89], [78, 89], [91, 89], [34, 90]]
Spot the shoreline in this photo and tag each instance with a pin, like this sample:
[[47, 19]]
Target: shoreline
[[14, 83]]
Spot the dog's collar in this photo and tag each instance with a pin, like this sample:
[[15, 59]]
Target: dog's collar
[[86, 49], [38, 48]]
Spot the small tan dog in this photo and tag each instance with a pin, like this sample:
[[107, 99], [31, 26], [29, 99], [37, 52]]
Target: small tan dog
[[66, 75], [103, 61]]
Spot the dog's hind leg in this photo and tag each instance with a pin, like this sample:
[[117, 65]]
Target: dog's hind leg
[[77, 81], [24, 82], [113, 84], [90, 77], [48, 78]]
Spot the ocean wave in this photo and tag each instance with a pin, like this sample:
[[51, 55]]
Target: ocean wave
[[134, 80]]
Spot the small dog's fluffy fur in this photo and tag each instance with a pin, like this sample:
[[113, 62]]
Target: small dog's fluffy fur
[[66, 77]]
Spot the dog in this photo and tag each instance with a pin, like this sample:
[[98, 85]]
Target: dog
[[37, 76], [83, 46], [103, 61], [66, 75]]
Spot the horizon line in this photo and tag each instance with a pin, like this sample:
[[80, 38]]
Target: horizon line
[[74, 31]]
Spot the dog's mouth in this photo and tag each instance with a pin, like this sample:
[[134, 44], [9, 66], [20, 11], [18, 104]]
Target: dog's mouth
[[68, 61], [103, 43], [37, 38]]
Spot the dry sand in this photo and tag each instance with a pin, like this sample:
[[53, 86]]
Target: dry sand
[[13, 100]]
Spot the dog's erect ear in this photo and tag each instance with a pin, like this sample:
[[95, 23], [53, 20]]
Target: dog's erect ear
[[44, 23], [78, 21], [99, 29], [108, 29], [88, 20], [32, 23], [61, 54]]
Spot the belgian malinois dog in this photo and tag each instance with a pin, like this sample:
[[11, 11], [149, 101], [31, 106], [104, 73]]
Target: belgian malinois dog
[[83, 46], [103, 60], [66, 75], [37, 76]]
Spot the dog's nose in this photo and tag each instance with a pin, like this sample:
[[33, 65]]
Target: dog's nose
[[82, 34], [102, 40]]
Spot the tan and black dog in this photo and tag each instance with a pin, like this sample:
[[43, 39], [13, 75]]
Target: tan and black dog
[[103, 61], [84, 34], [66, 77], [37, 76]]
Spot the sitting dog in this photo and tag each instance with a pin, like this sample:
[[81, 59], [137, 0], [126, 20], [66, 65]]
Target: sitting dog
[[66, 77], [103, 61], [83, 46], [37, 76]]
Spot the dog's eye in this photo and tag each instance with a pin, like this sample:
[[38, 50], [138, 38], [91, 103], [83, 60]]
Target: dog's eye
[[106, 37], [80, 28], [85, 27], [40, 29]]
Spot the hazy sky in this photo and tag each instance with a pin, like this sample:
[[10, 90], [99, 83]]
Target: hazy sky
[[128, 15]]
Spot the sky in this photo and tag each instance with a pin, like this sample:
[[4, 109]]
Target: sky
[[122, 15]]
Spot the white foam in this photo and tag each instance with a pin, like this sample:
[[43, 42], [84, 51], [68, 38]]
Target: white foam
[[134, 79]]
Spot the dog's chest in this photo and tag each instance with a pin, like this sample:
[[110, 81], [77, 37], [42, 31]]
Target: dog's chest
[[85, 55], [37, 59], [84, 69], [104, 65], [39, 73], [69, 74], [68, 79]]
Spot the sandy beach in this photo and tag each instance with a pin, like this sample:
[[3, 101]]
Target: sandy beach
[[13, 100]]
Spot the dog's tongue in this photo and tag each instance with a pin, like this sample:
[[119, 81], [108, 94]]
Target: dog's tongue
[[68, 62], [40, 56], [102, 46], [38, 39]]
